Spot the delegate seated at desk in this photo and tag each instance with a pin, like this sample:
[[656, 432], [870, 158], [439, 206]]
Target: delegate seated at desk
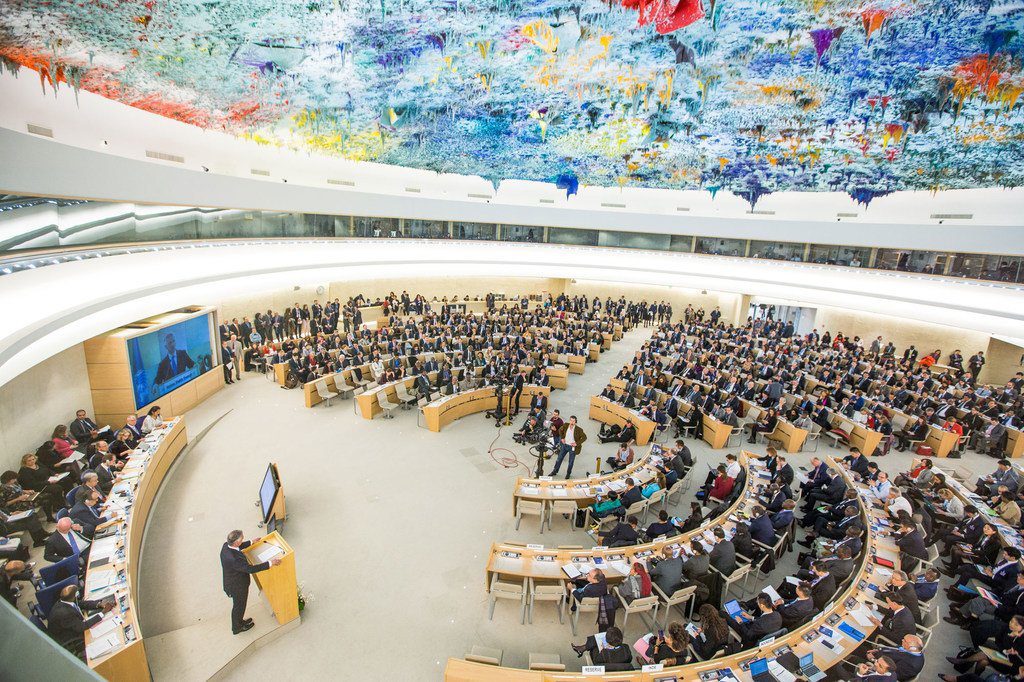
[[67, 623]]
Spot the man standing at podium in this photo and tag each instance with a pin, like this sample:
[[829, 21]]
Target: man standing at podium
[[237, 570]]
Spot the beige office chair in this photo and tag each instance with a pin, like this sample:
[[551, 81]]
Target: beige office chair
[[530, 507], [563, 507], [587, 605], [678, 598], [813, 436], [639, 606], [404, 396], [659, 496], [546, 592], [343, 389], [737, 576], [512, 591], [326, 394], [483, 654], [737, 431], [386, 404], [548, 662]]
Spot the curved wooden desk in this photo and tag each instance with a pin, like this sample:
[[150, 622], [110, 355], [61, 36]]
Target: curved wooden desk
[[582, 491], [510, 559], [459, 670], [139, 480], [607, 412], [444, 411]]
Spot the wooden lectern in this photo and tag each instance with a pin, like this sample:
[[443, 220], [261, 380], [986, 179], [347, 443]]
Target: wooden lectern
[[278, 582]]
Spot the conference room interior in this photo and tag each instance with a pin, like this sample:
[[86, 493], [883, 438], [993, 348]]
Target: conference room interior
[[292, 294]]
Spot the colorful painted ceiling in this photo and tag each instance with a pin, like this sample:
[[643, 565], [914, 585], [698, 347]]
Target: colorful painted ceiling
[[753, 97]]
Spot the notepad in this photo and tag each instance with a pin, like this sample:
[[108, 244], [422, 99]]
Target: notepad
[[103, 646], [105, 626]]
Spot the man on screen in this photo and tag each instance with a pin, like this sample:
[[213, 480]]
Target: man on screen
[[174, 363]]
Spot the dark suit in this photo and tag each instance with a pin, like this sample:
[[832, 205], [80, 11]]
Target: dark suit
[[236, 580], [630, 497], [785, 474], [84, 515], [896, 626], [66, 624], [908, 665], [762, 531], [106, 477], [622, 535], [164, 370], [754, 631], [57, 548], [82, 430], [823, 591], [795, 612], [723, 557]]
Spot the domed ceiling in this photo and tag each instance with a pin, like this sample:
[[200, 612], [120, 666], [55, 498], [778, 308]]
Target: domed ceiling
[[751, 97]]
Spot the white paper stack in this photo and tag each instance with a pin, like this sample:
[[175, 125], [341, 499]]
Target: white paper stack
[[103, 646], [269, 552]]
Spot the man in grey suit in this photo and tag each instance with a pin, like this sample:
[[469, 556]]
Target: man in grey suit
[[667, 572], [235, 346], [1004, 474]]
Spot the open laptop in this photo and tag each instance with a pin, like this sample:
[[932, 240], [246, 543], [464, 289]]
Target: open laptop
[[808, 669], [734, 610], [759, 671]]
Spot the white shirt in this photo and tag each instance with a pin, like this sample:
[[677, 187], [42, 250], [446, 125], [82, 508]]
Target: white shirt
[[150, 423], [900, 503], [733, 470], [570, 436]]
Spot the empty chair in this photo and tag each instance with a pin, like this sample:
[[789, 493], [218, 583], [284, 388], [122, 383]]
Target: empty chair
[[549, 662], [549, 592], [325, 393], [639, 606], [358, 379], [484, 654], [587, 605], [54, 573], [677, 598], [511, 590], [343, 389], [563, 507], [655, 498], [386, 404], [737, 432], [813, 436], [737, 576], [524, 507], [406, 398]]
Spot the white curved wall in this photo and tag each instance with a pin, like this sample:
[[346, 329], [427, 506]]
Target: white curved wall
[[98, 151], [55, 307]]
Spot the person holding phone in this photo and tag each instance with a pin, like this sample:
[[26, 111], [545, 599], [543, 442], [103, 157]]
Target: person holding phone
[[613, 653], [670, 647]]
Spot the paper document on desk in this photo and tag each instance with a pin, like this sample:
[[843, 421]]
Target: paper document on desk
[[862, 615], [268, 553], [103, 646], [75, 456], [558, 492], [571, 570], [107, 625], [20, 515], [620, 566]]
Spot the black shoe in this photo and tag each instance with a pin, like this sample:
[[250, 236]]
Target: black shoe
[[247, 621], [804, 543], [580, 650], [245, 627]]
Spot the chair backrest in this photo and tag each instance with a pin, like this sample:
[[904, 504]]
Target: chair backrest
[[930, 619], [476, 658], [47, 596], [528, 506], [683, 593], [61, 513], [61, 570], [70, 497], [588, 604], [656, 496], [38, 622], [321, 388]]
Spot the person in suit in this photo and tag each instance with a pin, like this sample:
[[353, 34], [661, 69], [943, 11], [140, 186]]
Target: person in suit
[[723, 554], [518, 383], [614, 654], [797, 610], [667, 572], [816, 477], [85, 513], [897, 621], [623, 534], [999, 577], [594, 584], [761, 526], [237, 571], [901, 585], [615, 435], [783, 518], [881, 669], [911, 545], [968, 531], [174, 362], [756, 628], [106, 472], [13, 570], [570, 438], [65, 541], [539, 402], [85, 430], [67, 623], [783, 473], [229, 361], [907, 658], [632, 494]]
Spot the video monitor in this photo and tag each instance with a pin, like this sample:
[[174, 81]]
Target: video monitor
[[167, 358], [268, 491]]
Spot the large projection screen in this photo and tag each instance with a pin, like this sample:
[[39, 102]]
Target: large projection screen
[[169, 357]]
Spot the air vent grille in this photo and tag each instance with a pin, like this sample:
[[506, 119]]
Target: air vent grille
[[164, 156], [39, 130], [756, 212], [547, 201], [682, 208], [257, 171], [608, 205], [347, 183], [474, 195], [952, 216], [846, 215], [413, 190]]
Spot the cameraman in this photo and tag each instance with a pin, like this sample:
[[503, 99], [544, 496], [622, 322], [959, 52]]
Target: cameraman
[[530, 432]]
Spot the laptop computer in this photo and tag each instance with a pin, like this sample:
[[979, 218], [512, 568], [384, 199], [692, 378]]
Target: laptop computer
[[734, 610], [808, 669], [759, 671]]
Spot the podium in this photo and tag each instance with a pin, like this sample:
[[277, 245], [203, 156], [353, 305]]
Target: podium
[[277, 583]]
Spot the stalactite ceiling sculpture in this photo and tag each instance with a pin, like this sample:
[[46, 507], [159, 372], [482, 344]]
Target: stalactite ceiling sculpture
[[747, 96]]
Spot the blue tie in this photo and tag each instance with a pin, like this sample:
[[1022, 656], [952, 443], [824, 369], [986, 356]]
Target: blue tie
[[71, 541]]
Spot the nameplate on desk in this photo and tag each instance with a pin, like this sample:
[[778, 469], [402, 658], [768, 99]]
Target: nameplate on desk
[[535, 547], [546, 478], [593, 670], [653, 668]]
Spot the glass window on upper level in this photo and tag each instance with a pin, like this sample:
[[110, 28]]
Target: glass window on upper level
[[473, 230], [377, 227], [925, 262], [634, 240], [570, 235], [722, 247], [522, 233], [426, 229], [681, 242], [849, 256], [777, 250]]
